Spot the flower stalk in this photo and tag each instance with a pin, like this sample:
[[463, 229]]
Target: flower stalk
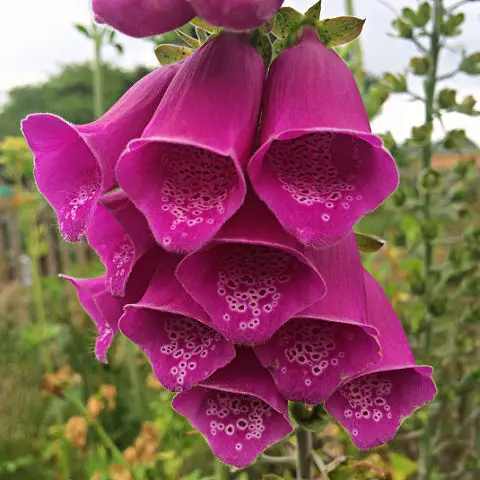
[[304, 454], [430, 84]]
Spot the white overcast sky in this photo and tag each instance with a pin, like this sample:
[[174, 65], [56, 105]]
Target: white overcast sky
[[37, 36]]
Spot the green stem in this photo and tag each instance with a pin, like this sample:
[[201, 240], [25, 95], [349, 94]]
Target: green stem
[[221, 471], [136, 382], [357, 53], [426, 461], [304, 454], [102, 434], [97, 67]]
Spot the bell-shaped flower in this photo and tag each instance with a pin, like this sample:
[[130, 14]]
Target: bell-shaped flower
[[119, 233], [105, 309], [185, 172], [253, 277], [372, 405], [174, 332], [319, 167], [236, 14], [313, 352], [75, 164], [145, 18], [238, 409]]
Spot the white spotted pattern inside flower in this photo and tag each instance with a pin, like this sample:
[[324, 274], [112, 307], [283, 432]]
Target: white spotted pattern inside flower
[[121, 259], [310, 344], [305, 166], [236, 415], [195, 187], [249, 280], [72, 216], [367, 397], [189, 342]]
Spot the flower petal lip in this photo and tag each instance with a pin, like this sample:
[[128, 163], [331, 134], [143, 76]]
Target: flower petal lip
[[319, 168], [236, 14], [314, 351], [75, 164], [143, 18], [239, 388], [119, 233], [252, 277], [373, 404], [186, 171], [105, 309], [174, 332]]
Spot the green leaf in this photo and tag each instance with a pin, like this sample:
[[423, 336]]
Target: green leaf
[[286, 20], [190, 41], [471, 64], [200, 23], [396, 84], [409, 15], [404, 29], [168, 54], [402, 467], [369, 243], [313, 13], [340, 30], [83, 30], [424, 13]]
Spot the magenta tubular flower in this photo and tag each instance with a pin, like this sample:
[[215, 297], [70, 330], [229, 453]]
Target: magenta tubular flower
[[371, 406], [236, 14], [238, 409], [313, 352], [185, 173], [119, 233], [105, 309], [252, 277], [144, 18], [75, 164], [319, 168], [174, 332]]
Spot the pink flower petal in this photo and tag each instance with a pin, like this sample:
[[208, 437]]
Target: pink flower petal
[[252, 278], [185, 173], [174, 332], [238, 410], [319, 168], [372, 405]]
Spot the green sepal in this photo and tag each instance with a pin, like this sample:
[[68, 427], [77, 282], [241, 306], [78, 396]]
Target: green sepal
[[168, 54], [369, 243], [200, 23], [286, 21], [313, 13], [267, 27], [396, 83], [309, 418], [447, 98], [337, 31], [190, 41], [264, 47]]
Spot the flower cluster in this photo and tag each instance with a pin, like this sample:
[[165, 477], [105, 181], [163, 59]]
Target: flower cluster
[[227, 242]]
